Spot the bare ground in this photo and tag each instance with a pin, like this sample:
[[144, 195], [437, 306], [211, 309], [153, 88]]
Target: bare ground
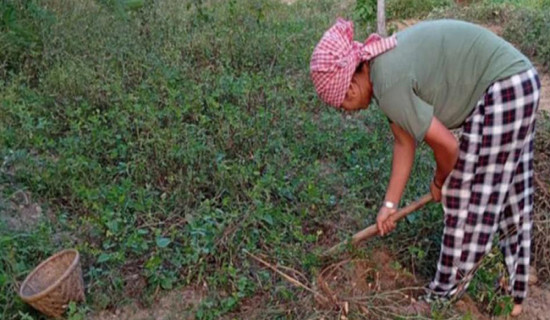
[[175, 305], [19, 211], [545, 92], [537, 307]]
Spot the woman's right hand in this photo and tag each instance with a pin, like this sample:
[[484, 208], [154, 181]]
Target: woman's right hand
[[385, 221]]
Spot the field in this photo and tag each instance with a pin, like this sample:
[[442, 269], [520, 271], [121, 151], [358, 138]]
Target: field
[[171, 141]]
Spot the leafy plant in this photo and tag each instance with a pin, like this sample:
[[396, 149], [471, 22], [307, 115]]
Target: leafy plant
[[365, 10], [406, 9]]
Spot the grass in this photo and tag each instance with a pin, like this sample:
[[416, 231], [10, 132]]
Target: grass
[[168, 138], [165, 138], [405, 9]]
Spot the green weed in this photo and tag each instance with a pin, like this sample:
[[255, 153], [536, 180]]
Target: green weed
[[168, 137], [365, 10], [406, 9]]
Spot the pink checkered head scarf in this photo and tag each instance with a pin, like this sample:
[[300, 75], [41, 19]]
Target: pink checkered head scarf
[[336, 57]]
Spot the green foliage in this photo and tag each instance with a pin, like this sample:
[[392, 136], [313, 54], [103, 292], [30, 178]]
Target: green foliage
[[365, 10], [528, 29], [406, 9], [21, 35], [75, 312], [19, 253], [167, 137], [485, 286], [534, 4]]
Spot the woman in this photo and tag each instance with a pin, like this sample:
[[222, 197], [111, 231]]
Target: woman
[[430, 78]]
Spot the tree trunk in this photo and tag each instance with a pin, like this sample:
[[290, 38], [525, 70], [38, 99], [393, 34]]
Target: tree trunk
[[381, 17]]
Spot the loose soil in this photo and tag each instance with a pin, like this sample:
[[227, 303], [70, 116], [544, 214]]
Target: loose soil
[[537, 307], [18, 211], [175, 305]]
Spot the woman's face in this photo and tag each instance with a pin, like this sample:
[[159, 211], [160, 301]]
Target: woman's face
[[359, 93]]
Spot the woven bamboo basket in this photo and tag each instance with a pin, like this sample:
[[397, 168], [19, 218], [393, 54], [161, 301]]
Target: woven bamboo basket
[[54, 283]]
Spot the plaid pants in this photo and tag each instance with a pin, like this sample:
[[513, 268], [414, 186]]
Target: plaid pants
[[491, 188]]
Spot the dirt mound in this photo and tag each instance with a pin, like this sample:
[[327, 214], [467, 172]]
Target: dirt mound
[[379, 288], [376, 287], [365, 276]]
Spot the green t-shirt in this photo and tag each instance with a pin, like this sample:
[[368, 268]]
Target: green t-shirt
[[440, 68]]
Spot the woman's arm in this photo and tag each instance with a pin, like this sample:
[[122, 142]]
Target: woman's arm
[[403, 157], [445, 148]]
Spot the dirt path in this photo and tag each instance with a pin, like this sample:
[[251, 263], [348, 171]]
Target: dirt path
[[545, 92], [175, 305]]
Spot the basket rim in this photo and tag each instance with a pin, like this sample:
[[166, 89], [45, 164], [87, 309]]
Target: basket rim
[[41, 294]]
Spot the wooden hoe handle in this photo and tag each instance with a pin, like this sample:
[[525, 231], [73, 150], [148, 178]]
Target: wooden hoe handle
[[372, 231]]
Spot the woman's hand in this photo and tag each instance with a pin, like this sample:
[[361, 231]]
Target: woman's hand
[[385, 221], [404, 147], [446, 150], [436, 191]]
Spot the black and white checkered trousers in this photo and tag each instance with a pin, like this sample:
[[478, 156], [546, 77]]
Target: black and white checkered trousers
[[491, 188]]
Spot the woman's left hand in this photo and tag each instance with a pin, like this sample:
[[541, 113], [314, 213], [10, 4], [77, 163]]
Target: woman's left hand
[[436, 192]]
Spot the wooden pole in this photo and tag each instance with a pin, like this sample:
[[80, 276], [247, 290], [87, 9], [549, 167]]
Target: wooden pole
[[381, 17], [372, 231]]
